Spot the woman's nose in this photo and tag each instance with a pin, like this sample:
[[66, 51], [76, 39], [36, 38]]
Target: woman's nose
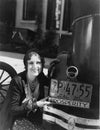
[[34, 65]]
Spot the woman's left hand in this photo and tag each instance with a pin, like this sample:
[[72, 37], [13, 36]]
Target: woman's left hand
[[41, 103]]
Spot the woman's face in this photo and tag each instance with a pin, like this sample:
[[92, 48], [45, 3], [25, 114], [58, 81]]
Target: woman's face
[[34, 65]]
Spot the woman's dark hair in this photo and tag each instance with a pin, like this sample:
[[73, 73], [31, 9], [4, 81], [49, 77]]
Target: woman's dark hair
[[28, 56]]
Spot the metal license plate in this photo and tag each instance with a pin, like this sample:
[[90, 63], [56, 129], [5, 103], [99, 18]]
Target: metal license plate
[[71, 90]]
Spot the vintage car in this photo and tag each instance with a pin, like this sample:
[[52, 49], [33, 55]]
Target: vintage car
[[75, 82]]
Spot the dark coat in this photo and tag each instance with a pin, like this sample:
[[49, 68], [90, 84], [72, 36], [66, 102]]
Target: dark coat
[[13, 107]]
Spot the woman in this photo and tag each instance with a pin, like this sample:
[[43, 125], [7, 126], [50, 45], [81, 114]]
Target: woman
[[24, 96]]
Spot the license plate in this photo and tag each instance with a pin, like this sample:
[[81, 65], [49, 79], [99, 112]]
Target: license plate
[[71, 90]]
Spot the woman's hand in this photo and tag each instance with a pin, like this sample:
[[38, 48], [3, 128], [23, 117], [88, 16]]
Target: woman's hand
[[29, 104], [33, 104], [41, 103]]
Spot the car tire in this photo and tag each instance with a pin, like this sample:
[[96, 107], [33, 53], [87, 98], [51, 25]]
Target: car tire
[[7, 72]]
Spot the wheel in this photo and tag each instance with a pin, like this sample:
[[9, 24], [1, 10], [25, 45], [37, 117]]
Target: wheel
[[6, 74]]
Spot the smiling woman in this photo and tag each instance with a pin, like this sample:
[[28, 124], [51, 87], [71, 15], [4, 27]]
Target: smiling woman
[[21, 108]]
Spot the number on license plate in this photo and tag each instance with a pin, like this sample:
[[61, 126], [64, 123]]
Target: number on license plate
[[71, 90]]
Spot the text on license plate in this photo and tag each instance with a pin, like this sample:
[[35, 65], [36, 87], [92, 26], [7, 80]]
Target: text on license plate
[[71, 90]]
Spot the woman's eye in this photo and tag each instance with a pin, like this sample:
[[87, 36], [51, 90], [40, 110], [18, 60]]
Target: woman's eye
[[30, 63], [39, 62]]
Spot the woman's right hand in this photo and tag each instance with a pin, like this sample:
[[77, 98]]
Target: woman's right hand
[[29, 104]]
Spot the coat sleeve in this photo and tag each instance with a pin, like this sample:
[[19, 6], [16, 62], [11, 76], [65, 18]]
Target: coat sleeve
[[16, 94]]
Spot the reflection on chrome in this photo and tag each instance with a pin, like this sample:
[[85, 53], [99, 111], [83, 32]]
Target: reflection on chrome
[[72, 72]]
